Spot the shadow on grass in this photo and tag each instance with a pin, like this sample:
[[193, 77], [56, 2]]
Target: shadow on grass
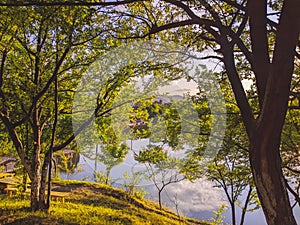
[[29, 220]]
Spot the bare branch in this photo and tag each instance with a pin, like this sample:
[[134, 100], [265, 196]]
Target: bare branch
[[185, 7], [297, 198]]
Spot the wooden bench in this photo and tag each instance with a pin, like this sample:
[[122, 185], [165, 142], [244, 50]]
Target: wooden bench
[[58, 196], [13, 190], [10, 191], [4, 175], [8, 185], [55, 195]]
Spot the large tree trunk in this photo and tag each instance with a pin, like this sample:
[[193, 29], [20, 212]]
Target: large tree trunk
[[35, 173], [266, 134], [35, 176], [265, 131], [269, 179], [35, 187], [42, 198]]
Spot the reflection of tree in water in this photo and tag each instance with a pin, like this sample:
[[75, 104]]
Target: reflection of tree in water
[[67, 161], [157, 118]]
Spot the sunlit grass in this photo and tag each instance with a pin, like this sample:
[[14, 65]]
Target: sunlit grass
[[90, 203]]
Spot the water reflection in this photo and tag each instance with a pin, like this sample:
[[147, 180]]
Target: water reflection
[[196, 200], [66, 161]]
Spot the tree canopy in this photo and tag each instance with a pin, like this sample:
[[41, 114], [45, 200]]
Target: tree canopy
[[254, 39]]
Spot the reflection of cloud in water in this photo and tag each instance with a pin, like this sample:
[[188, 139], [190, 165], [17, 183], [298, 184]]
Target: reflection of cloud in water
[[193, 196]]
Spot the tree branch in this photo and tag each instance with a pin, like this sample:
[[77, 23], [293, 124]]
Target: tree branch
[[68, 3], [297, 198], [257, 11]]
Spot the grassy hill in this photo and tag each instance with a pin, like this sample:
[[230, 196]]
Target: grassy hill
[[91, 203]]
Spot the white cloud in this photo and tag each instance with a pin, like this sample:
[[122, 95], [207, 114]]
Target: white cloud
[[200, 195]]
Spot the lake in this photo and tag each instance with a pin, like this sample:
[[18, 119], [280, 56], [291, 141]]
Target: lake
[[196, 200]]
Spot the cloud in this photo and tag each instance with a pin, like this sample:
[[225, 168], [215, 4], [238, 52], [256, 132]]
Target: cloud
[[200, 195]]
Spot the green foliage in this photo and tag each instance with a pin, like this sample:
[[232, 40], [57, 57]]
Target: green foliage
[[67, 163], [44, 52], [110, 153], [230, 169], [154, 155], [131, 184], [101, 177], [162, 122], [191, 168], [6, 144], [218, 215], [39, 37], [159, 161]]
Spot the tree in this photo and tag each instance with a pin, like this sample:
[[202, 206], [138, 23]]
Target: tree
[[230, 168], [110, 151], [131, 183], [160, 120], [43, 53], [162, 169], [239, 33], [231, 171], [111, 155], [290, 154]]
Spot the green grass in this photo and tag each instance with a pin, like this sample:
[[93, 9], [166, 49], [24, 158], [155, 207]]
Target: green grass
[[89, 203]]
